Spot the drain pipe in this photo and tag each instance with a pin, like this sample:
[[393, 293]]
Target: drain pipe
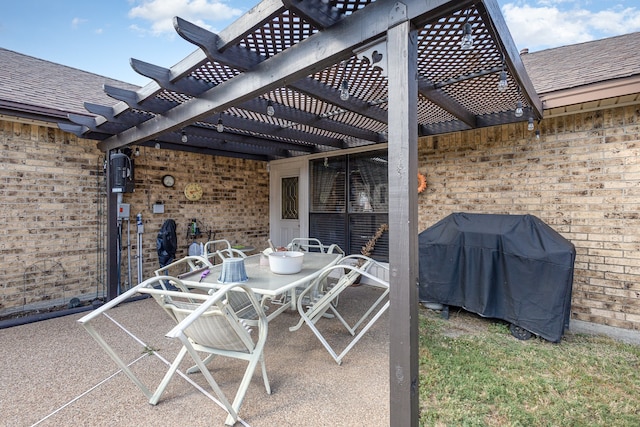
[[19, 321], [140, 230]]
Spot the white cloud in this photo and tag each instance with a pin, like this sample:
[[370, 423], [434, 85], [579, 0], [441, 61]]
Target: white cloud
[[75, 22], [616, 22], [161, 12], [553, 23]]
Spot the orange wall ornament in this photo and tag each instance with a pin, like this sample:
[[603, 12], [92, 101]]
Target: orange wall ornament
[[422, 183]]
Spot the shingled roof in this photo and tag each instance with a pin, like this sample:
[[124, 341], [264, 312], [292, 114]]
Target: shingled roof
[[584, 63], [43, 90]]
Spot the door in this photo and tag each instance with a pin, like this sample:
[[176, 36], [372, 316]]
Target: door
[[288, 202]]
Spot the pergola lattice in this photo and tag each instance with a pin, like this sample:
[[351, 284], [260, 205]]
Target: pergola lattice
[[457, 88]]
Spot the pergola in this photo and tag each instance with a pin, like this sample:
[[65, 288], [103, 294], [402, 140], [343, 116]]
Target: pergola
[[295, 77]]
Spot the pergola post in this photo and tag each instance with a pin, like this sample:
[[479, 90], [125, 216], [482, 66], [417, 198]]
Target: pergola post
[[113, 269], [403, 216]]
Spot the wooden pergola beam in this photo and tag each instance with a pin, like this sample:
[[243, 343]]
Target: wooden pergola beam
[[310, 55]]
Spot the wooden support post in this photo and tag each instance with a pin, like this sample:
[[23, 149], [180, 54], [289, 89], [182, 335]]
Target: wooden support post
[[403, 220]]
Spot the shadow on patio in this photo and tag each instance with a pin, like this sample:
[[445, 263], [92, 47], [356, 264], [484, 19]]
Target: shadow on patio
[[56, 375]]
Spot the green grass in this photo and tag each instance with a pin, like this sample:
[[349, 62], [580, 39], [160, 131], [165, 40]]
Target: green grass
[[486, 377]]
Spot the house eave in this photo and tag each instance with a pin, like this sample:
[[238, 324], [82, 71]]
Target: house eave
[[618, 92]]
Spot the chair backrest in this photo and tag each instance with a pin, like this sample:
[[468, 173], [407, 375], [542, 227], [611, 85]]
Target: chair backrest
[[310, 244], [349, 271], [212, 246], [306, 244], [217, 250], [185, 265], [218, 327]]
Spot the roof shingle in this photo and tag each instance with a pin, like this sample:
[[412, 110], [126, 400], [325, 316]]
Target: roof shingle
[[35, 82], [584, 63]]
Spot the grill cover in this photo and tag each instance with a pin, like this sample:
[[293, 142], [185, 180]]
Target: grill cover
[[510, 267]]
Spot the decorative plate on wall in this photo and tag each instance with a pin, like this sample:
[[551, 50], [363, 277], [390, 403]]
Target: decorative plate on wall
[[193, 191]]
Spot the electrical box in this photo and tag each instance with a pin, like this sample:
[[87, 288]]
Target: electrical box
[[158, 207], [121, 173], [123, 210]]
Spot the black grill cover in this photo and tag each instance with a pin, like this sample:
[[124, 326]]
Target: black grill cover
[[510, 267]]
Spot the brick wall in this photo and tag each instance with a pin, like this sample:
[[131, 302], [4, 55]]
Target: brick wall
[[48, 189], [582, 177], [50, 192], [234, 205]]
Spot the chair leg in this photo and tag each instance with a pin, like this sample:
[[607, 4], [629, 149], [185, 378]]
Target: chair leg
[[167, 377], [363, 331], [206, 361], [233, 414], [242, 389], [264, 375]]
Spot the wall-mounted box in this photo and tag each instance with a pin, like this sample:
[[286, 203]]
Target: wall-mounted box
[[158, 207]]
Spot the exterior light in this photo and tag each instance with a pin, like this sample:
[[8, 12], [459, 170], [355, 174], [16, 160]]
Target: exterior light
[[467, 38], [530, 126], [503, 83], [344, 90], [184, 137], [270, 110], [220, 126], [137, 152], [519, 110], [157, 145]]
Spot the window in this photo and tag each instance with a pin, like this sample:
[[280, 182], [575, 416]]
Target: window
[[350, 200], [290, 198]]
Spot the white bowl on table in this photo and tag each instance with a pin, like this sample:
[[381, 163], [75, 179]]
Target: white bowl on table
[[286, 262]]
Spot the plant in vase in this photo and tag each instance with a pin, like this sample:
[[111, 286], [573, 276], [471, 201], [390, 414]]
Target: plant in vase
[[367, 249]]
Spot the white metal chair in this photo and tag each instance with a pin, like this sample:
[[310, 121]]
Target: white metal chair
[[323, 294], [208, 326], [183, 266], [195, 263], [213, 253], [310, 244], [238, 300]]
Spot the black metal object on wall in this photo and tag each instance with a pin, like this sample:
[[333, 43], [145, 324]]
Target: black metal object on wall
[[510, 267]]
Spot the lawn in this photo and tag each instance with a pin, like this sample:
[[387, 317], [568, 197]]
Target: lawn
[[473, 372]]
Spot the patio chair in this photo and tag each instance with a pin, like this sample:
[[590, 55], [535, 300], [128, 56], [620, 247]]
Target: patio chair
[[238, 300], [194, 263], [208, 326], [183, 266], [323, 293], [215, 255], [310, 244]]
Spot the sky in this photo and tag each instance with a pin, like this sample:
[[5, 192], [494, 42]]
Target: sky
[[100, 36]]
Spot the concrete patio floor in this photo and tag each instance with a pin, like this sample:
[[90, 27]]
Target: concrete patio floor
[[55, 374]]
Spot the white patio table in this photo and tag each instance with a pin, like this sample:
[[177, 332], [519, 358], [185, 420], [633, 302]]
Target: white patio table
[[267, 284]]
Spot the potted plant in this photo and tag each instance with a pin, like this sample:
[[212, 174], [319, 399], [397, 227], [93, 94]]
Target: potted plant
[[367, 249]]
